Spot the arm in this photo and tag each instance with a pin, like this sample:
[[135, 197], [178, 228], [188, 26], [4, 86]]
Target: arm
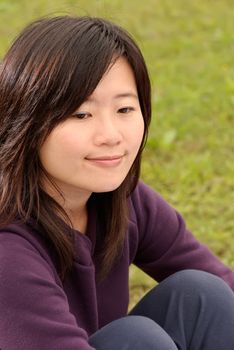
[[34, 309], [165, 244]]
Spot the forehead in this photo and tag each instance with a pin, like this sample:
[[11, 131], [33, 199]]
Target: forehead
[[118, 81]]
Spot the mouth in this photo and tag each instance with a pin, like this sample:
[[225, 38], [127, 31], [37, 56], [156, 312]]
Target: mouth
[[106, 161]]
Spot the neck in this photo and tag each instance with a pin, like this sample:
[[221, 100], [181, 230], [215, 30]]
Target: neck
[[79, 218], [74, 202]]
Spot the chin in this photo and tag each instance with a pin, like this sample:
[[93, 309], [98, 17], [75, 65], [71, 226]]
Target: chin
[[108, 186]]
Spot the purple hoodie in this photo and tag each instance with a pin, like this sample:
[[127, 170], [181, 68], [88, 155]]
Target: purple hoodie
[[38, 311]]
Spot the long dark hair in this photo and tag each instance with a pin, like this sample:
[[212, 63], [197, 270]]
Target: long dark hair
[[49, 71]]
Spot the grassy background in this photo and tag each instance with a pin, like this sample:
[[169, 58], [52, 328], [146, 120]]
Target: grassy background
[[189, 49]]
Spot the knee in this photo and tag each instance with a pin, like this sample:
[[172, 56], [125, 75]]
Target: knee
[[132, 327], [196, 282], [197, 279], [130, 332]]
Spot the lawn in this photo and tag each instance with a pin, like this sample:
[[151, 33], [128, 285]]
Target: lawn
[[189, 49]]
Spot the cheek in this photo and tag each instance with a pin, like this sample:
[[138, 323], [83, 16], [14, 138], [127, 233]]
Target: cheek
[[61, 144], [137, 132], [56, 151]]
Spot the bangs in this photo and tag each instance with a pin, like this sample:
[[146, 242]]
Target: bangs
[[67, 61]]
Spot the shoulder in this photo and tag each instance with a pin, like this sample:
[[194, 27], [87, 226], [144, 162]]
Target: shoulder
[[152, 220], [30, 289], [26, 269], [146, 205], [22, 247]]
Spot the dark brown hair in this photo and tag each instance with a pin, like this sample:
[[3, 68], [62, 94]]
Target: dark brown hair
[[49, 71]]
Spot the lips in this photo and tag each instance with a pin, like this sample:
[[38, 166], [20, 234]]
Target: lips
[[106, 160]]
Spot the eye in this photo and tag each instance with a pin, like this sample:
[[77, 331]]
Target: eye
[[125, 110], [81, 115]]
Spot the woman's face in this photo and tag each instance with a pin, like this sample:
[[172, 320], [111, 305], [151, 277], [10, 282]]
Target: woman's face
[[93, 150]]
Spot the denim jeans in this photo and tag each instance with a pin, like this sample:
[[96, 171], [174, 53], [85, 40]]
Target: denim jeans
[[190, 310]]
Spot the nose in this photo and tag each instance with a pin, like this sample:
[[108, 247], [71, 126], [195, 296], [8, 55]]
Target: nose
[[107, 132]]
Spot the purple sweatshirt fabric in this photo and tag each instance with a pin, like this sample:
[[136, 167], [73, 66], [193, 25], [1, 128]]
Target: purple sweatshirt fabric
[[38, 311]]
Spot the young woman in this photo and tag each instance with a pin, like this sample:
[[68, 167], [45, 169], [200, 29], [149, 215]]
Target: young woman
[[75, 110]]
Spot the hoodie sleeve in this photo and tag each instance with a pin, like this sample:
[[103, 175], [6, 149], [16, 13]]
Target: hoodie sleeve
[[34, 308], [165, 245]]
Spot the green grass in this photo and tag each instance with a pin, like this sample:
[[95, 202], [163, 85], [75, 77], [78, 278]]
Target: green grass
[[189, 49]]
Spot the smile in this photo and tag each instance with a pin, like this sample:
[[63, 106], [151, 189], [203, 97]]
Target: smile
[[106, 161]]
